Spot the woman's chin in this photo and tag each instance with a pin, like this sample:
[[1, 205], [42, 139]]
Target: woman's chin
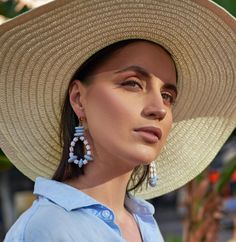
[[145, 159]]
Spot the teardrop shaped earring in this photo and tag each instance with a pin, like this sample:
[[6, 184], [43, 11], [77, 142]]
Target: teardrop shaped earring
[[79, 135], [152, 180]]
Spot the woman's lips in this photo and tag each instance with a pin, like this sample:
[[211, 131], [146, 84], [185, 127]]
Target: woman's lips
[[149, 134]]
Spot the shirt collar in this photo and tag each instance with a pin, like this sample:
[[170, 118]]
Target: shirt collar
[[139, 206], [71, 198]]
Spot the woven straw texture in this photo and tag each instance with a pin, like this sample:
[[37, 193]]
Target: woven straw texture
[[41, 50]]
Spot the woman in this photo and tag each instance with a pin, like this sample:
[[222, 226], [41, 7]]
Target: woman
[[125, 61]]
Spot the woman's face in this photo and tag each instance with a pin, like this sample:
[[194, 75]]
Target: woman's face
[[128, 106]]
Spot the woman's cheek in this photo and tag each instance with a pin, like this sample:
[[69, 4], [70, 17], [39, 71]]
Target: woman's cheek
[[167, 128]]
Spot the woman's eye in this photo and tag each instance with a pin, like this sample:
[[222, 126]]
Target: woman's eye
[[168, 98], [132, 83]]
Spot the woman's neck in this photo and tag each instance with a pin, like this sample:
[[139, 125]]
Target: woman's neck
[[108, 186]]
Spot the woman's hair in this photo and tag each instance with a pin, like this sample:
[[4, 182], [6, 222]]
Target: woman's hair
[[69, 120]]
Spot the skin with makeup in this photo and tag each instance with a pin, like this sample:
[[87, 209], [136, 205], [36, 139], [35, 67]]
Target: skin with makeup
[[131, 97]]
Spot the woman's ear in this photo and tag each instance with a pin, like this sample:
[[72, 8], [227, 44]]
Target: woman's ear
[[77, 98]]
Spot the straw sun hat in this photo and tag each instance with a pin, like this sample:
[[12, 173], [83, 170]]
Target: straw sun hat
[[42, 49]]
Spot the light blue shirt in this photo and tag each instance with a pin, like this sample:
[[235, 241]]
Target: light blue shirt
[[62, 213]]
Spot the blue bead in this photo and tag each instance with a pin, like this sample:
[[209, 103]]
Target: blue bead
[[153, 181], [80, 163], [77, 134], [79, 128], [72, 158], [88, 157]]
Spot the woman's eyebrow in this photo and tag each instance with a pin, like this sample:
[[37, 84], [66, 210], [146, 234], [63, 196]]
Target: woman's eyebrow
[[138, 69], [146, 75]]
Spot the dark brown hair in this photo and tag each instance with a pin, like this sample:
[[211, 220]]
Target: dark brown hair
[[69, 120]]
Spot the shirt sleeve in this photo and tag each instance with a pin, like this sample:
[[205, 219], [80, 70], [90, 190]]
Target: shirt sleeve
[[47, 226]]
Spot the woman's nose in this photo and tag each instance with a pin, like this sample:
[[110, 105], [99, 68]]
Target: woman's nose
[[155, 109], [155, 112]]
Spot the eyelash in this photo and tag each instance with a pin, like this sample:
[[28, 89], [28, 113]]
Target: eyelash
[[132, 83], [171, 98]]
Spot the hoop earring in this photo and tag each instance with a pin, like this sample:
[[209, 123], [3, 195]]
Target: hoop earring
[[79, 135], [152, 180]]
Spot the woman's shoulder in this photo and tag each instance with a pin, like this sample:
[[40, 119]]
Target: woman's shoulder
[[48, 222], [38, 222]]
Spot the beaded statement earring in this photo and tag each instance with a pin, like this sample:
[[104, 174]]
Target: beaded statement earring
[[152, 180], [79, 135]]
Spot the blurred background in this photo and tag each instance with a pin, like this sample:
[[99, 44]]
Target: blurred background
[[204, 210]]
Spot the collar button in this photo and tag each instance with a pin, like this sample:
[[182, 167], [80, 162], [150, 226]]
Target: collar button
[[106, 214]]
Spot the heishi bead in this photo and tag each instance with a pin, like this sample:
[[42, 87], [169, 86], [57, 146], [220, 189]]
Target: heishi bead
[[86, 142], [77, 134], [71, 149], [79, 128], [87, 147], [85, 162], [72, 143], [79, 131], [88, 157]]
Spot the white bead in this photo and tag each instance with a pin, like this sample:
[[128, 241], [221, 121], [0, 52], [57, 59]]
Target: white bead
[[71, 149], [72, 143], [81, 138], [76, 162], [75, 139], [87, 147], [88, 152], [85, 162], [86, 142]]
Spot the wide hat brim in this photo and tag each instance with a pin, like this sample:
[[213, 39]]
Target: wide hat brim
[[41, 50]]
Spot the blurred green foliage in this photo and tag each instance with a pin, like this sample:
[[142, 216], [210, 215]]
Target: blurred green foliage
[[4, 162], [229, 5], [9, 10], [174, 239], [226, 174]]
